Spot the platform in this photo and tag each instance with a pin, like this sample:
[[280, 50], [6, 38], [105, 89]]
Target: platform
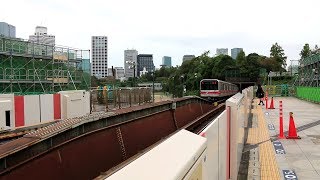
[[273, 158]]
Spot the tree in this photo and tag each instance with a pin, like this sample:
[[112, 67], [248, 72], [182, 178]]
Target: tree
[[222, 63], [270, 64], [95, 81], [277, 52], [306, 51], [241, 58]]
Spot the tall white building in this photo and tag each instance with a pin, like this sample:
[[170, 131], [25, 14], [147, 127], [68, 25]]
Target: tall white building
[[223, 51], [130, 62], [235, 52], [187, 57], [99, 52], [41, 36], [7, 30]]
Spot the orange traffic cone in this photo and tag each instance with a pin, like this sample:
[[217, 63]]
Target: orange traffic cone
[[271, 104], [292, 129]]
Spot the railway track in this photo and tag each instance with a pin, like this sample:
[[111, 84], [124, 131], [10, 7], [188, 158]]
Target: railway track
[[9, 135], [199, 124]]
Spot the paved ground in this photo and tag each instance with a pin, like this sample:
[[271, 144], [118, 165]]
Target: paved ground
[[286, 158], [302, 155], [258, 159]]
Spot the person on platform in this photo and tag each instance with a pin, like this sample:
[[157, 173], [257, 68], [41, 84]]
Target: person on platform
[[260, 94]]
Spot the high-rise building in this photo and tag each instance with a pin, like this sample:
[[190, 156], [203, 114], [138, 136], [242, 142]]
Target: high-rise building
[[118, 72], [145, 61], [223, 51], [166, 61], [130, 63], [99, 49], [41, 36], [188, 57], [7, 30], [235, 52]]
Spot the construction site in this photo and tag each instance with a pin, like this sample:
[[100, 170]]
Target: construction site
[[29, 68]]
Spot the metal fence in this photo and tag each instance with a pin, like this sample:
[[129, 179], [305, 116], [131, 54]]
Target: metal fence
[[110, 99], [309, 93], [280, 90]]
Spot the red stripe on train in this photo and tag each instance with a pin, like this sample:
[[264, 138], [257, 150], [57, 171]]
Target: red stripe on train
[[217, 92]]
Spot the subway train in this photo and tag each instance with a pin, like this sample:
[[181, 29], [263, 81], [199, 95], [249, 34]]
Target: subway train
[[214, 89]]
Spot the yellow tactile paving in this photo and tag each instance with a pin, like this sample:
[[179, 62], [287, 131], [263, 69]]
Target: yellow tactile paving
[[260, 135]]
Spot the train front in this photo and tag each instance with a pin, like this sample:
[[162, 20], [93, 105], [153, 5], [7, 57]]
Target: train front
[[209, 89]]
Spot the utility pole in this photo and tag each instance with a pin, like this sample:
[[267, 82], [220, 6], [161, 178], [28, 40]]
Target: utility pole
[[134, 75], [153, 86]]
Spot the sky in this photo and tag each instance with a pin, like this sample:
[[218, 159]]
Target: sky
[[171, 27]]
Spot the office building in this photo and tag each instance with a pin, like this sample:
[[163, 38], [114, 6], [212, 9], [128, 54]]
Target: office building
[[99, 49], [130, 63], [188, 57], [223, 51], [41, 36], [235, 52], [145, 61], [166, 61], [118, 72], [7, 30]]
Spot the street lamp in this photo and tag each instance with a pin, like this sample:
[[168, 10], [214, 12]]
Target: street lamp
[[153, 85], [182, 76], [291, 65], [315, 71]]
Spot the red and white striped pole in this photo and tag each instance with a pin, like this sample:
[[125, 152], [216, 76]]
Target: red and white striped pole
[[281, 136], [266, 99]]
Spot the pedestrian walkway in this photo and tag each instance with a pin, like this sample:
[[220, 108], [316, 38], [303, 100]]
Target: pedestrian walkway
[[274, 158], [261, 163], [300, 157]]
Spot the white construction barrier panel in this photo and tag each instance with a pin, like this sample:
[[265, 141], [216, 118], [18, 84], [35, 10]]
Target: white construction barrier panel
[[31, 110], [182, 156], [46, 107], [74, 103], [7, 118]]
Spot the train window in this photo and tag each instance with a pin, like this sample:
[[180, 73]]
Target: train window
[[209, 85]]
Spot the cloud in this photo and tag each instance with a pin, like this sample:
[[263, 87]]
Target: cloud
[[171, 28]]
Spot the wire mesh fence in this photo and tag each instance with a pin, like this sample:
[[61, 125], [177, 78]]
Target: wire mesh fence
[[111, 99]]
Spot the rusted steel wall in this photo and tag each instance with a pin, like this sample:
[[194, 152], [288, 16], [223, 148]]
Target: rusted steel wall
[[86, 155], [187, 113], [82, 158], [144, 132], [207, 107]]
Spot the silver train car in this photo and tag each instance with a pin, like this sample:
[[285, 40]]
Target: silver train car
[[214, 89]]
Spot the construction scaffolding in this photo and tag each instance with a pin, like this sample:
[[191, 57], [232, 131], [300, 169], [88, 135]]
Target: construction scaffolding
[[28, 67], [309, 71]]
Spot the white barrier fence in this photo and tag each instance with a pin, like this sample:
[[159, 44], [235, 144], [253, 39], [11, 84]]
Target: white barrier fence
[[28, 110], [221, 155]]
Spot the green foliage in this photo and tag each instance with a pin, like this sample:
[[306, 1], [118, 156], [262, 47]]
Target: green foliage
[[270, 64], [306, 51], [241, 58], [222, 63], [277, 53], [191, 72]]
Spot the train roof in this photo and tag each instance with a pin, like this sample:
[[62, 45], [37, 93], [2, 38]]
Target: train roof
[[216, 80]]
